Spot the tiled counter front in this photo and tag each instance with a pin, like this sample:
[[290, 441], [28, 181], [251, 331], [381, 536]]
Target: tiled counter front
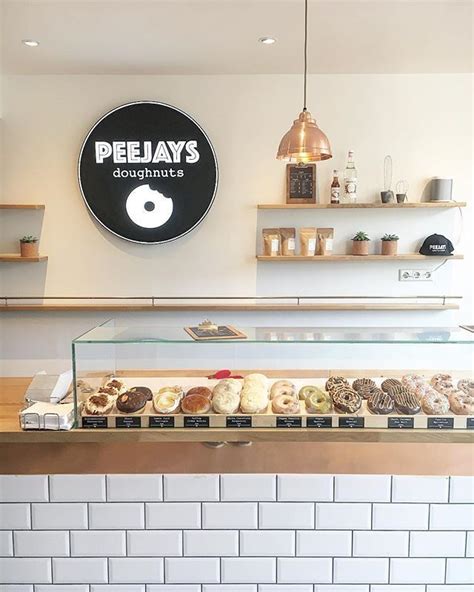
[[236, 533]]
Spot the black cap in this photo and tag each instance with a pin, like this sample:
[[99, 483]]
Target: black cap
[[438, 245]]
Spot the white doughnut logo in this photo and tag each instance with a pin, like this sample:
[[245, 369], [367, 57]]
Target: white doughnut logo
[[148, 208]]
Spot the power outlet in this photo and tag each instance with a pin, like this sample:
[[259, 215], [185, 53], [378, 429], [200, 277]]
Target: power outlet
[[414, 275]]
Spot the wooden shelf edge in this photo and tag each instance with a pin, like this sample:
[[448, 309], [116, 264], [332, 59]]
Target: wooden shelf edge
[[352, 258], [362, 206], [5, 206], [18, 259]]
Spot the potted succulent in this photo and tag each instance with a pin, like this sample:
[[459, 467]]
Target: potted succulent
[[29, 246], [360, 244], [389, 244]]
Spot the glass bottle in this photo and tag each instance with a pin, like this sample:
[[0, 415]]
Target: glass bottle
[[350, 180], [335, 188]]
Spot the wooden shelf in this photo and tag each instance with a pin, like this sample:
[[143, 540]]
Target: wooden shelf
[[19, 259], [364, 206], [353, 258], [4, 206]]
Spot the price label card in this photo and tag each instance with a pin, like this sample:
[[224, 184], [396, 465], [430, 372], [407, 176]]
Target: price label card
[[402, 423], [319, 422], [351, 422], [161, 421], [196, 421], [94, 422], [470, 423], [128, 422], [238, 421], [441, 423], [288, 422]]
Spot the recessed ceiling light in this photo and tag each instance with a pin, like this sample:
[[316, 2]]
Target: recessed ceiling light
[[267, 40], [30, 42]]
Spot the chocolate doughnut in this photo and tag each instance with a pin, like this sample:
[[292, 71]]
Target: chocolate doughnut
[[318, 401], [143, 389], [131, 402], [361, 385], [99, 404], [435, 404], [380, 403], [195, 403], [285, 404], [466, 385], [398, 389], [389, 383], [461, 403], [282, 387], [334, 381], [406, 403], [346, 400], [200, 390]]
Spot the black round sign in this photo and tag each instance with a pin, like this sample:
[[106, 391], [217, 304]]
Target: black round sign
[[148, 172]]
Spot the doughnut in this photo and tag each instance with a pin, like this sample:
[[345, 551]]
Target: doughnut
[[131, 402], [435, 404], [177, 390], [115, 384], [143, 389], [227, 385], [108, 390], [361, 385], [196, 403], [254, 400], [259, 380], [406, 403], [334, 381], [346, 400], [225, 401], [282, 387], [389, 383], [380, 403], [398, 389], [444, 378], [445, 387], [200, 390], [318, 401], [285, 404], [423, 389], [413, 380], [166, 401], [84, 387], [461, 403], [308, 390], [466, 385], [99, 404]]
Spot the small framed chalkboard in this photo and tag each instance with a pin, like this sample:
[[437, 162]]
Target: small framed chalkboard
[[300, 183]]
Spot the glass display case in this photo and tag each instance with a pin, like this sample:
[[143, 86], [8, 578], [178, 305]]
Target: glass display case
[[146, 376]]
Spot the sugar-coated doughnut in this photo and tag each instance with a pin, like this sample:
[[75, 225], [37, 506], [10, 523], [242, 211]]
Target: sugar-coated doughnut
[[99, 404], [435, 404], [380, 403], [177, 390], [466, 385], [406, 402], [282, 387], [225, 401], [254, 400], [166, 401], [285, 404], [334, 381], [461, 403], [361, 385], [389, 383], [195, 403], [131, 402], [200, 390], [346, 400], [318, 401]]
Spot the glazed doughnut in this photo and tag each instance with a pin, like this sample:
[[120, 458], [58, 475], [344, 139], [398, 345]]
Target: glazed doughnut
[[445, 387], [406, 403], [424, 389], [361, 385], [203, 391], [254, 400], [225, 401], [166, 401], [318, 401], [380, 403], [131, 402], [346, 400], [306, 391], [437, 378], [413, 380], [99, 404], [177, 390], [282, 387], [435, 404], [195, 403], [461, 403], [466, 385], [389, 383], [334, 381], [285, 404]]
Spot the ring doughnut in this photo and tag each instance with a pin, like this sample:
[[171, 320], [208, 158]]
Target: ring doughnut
[[195, 403], [406, 403], [285, 404], [346, 400], [423, 389], [166, 402], [435, 404], [461, 403], [380, 403], [362, 384], [445, 387], [413, 380], [203, 391], [282, 387], [318, 401], [225, 402], [389, 383], [466, 385], [99, 404], [306, 391], [334, 381]]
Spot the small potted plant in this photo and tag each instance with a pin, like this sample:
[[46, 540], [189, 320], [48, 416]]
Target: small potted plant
[[389, 244], [360, 244], [29, 246]]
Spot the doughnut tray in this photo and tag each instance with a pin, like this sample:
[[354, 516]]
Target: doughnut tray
[[148, 418]]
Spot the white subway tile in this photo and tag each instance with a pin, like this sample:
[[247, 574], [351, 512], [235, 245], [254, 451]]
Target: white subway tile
[[15, 516], [38, 543], [286, 515], [59, 516], [97, 543], [154, 543], [324, 543], [23, 488], [77, 488], [116, 516], [470, 544], [6, 543], [63, 588], [344, 588], [364, 571], [172, 588], [191, 488], [417, 571], [395, 588], [415, 488], [274, 543], [460, 571], [462, 490], [286, 588], [17, 588], [79, 571], [249, 570], [301, 570], [117, 588], [343, 516], [229, 588], [15, 570], [131, 488], [173, 515], [211, 543], [380, 544], [229, 515], [192, 570], [437, 544], [400, 516], [362, 488], [447, 588], [252, 488], [305, 488], [135, 570], [452, 517]]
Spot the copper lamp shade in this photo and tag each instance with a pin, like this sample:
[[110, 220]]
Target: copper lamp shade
[[304, 142]]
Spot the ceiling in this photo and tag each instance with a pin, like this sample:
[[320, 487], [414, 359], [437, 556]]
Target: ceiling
[[220, 36]]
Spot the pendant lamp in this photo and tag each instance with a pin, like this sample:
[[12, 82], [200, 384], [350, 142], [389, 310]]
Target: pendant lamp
[[304, 142]]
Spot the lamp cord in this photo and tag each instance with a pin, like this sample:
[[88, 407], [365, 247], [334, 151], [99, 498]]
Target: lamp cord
[[305, 51]]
